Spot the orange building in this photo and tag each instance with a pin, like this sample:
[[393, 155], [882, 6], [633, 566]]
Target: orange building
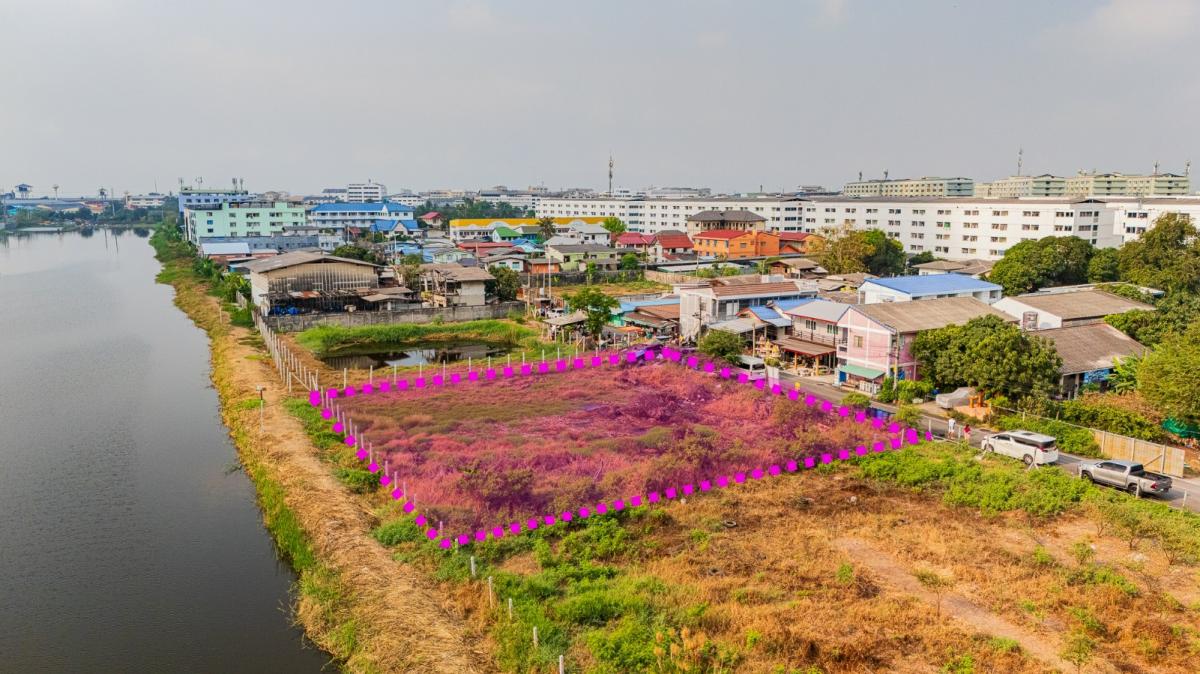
[[729, 244], [799, 242]]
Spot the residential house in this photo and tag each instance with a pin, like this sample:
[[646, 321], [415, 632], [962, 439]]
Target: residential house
[[912, 288], [730, 244], [485, 248], [1045, 310], [704, 304], [586, 232], [1088, 353], [632, 241], [803, 243], [445, 255], [655, 320], [671, 245], [431, 219], [239, 251], [731, 220], [506, 260], [876, 339], [304, 281], [452, 285], [797, 267], [576, 257], [972, 268], [814, 334]]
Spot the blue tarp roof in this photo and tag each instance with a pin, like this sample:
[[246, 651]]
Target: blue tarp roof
[[934, 284], [784, 305], [769, 315]]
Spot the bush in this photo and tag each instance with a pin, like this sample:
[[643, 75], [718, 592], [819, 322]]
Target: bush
[[1112, 419], [904, 390], [908, 415], [857, 400], [720, 344]]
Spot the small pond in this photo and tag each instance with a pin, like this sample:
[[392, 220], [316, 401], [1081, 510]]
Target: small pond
[[418, 354]]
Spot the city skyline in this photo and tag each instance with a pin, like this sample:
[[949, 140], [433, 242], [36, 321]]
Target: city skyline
[[456, 95]]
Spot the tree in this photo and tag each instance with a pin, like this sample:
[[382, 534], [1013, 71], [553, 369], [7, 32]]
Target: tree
[[595, 305], [1172, 314], [721, 344], [630, 261], [1078, 649], [887, 257], [614, 225], [508, 282], [934, 583], [1167, 376], [764, 266], [921, 258], [1036, 263], [844, 250], [546, 228], [1104, 266], [355, 253], [990, 354], [1124, 375], [1166, 257]]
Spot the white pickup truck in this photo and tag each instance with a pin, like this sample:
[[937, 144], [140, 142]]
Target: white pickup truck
[[1126, 475]]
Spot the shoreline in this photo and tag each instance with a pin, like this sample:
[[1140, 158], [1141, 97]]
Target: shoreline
[[352, 600]]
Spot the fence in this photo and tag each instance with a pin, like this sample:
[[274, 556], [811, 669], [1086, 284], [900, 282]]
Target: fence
[[291, 369], [418, 315], [1162, 458], [670, 277], [1154, 456]]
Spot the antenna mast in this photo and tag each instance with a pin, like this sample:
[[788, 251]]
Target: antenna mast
[[1020, 159], [610, 173]]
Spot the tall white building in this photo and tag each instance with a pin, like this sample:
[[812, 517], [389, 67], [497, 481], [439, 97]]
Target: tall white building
[[971, 228], [365, 193], [650, 216], [911, 187], [1084, 185]]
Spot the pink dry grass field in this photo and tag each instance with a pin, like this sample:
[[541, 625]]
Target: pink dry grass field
[[505, 450]]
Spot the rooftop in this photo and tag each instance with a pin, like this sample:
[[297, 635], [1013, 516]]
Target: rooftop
[[935, 284], [1091, 347], [906, 317], [757, 289], [298, 257], [737, 215], [1082, 304]]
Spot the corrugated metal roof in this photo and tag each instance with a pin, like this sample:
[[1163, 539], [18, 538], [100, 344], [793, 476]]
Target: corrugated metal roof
[[935, 284], [1090, 347], [1081, 304], [908, 317]]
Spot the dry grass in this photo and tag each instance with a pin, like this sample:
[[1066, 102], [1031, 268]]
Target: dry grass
[[353, 600]]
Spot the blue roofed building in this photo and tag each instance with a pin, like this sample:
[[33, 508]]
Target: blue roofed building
[[342, 216], [912, 288], [395, 226]]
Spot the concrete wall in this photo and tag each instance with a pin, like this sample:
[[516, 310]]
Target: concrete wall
[[449, 315]]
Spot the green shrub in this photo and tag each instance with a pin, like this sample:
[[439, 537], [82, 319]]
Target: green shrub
[[359, 480], [398, 531], [857, 400], [908, 415], [903, 391], [593, 607]]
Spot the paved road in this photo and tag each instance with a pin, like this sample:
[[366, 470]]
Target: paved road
[[1184, 493]]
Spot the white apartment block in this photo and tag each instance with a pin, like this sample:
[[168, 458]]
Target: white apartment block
[[1132, 217], [151, 200], [911, 187], [1086, 185], [965, 229], [365, 193], [651, 216]]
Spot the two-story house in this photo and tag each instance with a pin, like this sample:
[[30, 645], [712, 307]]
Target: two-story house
[[917, 287], [702, 304]]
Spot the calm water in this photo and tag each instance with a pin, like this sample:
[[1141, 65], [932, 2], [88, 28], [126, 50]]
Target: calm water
[[417, 355], [126, 544]]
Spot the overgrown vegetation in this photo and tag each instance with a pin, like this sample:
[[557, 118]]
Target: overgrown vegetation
[[331, 339], [991, 355]]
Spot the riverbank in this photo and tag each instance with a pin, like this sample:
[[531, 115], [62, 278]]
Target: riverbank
[[352, 600]]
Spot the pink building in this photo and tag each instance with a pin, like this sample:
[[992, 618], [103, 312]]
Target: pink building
[[876, 339]]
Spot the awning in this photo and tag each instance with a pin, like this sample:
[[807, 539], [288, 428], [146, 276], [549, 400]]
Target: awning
[[737, 326], [569, 319], [859, 371], [803, 347]]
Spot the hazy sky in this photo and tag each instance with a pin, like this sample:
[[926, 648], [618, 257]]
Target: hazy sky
[[301, 95]]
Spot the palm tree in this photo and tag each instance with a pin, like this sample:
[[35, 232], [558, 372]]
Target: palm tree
[[546, 228]]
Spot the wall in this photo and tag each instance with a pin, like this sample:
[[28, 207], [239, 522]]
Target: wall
[[876, 349], [669, 277], [449, 315]]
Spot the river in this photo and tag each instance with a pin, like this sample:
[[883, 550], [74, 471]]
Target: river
[[129, 541]]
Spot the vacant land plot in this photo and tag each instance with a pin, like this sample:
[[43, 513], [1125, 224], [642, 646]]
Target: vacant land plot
[[496, 452]]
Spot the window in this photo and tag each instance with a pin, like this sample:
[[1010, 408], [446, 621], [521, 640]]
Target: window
[[858, 341], [810, 324], [999, 225], [999, 213]]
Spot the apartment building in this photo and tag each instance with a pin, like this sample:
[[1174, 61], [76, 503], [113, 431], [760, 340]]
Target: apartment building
[[190, 197], [1132, 217], [653, 215], [911, 187], [363, 193], [234, 220], [342, 215], [1086, 185], [151, 200], [965, 228]]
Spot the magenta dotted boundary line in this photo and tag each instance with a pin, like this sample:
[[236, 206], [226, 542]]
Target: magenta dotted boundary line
[[434, 534]]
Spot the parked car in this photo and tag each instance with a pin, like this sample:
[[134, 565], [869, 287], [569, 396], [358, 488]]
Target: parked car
[[1033, 449], [1127, 475]]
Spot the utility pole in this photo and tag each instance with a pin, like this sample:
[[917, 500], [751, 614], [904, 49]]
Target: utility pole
[[610, 173]]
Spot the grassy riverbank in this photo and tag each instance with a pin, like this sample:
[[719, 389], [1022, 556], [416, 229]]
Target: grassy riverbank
[[351, 600]]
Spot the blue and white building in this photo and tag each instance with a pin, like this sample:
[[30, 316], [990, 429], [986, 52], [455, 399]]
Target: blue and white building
[[377, 216], [913, 288], [192, 197]]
